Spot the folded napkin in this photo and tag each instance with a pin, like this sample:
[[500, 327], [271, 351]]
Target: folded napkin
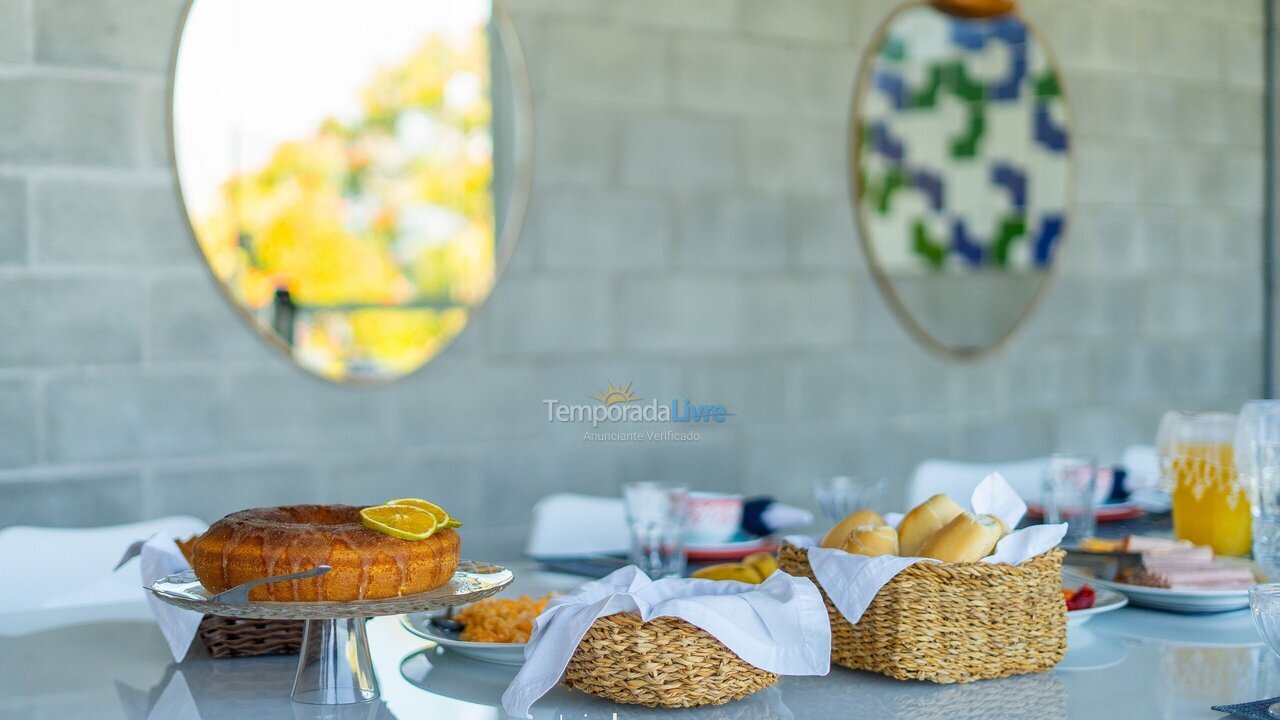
[[161, 557], [852, 581], [780, 625]]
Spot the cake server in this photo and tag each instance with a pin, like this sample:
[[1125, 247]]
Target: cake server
[[239, 595]]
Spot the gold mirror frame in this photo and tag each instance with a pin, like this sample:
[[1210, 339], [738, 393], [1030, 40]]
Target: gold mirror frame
[[882, 280], [521, 188]]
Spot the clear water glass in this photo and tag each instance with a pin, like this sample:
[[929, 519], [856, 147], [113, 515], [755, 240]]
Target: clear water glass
[[1068, 494], [1257, 456], [1264, 485], [1264, 604], [657, 516], [840, 496]]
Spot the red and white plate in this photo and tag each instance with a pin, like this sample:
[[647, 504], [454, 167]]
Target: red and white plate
[[728, 551], [1113, 512]]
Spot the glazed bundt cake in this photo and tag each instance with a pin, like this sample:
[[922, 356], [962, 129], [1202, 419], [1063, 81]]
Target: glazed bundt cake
[[367, 565]]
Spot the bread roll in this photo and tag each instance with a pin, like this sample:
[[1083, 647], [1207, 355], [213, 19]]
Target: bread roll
[[839, 535], [873, 541], [967, 538], [923, 521]]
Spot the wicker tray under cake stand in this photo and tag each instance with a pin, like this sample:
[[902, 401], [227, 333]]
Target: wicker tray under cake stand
[[333, 665]]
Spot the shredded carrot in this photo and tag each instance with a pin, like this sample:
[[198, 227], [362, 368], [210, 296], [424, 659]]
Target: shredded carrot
[[501, 620]]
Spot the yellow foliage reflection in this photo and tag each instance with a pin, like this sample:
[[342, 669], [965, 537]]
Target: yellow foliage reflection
[[372, 239]]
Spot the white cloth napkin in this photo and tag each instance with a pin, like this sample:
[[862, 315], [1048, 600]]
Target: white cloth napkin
[[852, 581], [161, 557], [779, 625], [572, 525]]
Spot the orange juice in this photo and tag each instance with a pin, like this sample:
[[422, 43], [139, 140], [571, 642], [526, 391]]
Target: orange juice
[[1209, 503]]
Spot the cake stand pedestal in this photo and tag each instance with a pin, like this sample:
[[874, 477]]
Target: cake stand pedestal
[[334, 667]]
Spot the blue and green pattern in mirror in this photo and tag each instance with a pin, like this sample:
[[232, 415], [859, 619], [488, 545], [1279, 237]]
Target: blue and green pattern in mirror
[[354, 172], [961, 171]]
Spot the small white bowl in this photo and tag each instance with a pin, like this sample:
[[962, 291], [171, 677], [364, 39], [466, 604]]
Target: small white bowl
[[1107, 601]]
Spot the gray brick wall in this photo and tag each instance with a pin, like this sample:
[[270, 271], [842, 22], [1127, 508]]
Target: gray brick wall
[[689, 231]]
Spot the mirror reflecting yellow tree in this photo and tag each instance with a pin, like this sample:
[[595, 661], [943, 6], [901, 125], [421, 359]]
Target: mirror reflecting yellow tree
[[338, 162]]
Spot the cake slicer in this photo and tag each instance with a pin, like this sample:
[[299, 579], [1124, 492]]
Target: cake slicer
[[239, 595]]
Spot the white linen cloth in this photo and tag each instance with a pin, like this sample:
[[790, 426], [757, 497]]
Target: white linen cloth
[[779, 625], [852, 581], [161, 557]]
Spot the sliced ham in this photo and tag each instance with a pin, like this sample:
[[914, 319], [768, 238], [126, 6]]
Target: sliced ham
[[1178, 564], [1146, 543], [1195, 553], [1212, 577]]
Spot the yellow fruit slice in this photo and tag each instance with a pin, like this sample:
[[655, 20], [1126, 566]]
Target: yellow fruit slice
[[432, 508], [729, 571], [401, 521], [763, 563]]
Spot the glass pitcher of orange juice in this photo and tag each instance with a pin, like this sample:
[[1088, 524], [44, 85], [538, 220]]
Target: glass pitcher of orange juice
[[1197, 464]]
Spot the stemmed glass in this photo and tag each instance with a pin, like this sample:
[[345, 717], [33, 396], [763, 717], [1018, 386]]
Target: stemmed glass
[[1068, 493], [1264, 604], [1257, 456], [657, 515], [840, 496]]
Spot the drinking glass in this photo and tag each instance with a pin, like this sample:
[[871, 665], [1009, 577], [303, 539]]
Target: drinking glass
[[1067, 493], [838, 497], [1197, 464], [1257, 456], [657, 515], [1264, 604]]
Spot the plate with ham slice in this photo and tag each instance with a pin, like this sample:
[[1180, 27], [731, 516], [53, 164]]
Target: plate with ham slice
[[1184, 587], [1178, 576]]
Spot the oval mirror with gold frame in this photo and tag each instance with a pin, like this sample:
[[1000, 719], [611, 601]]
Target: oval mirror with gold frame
[[960, 169], [355, 173]]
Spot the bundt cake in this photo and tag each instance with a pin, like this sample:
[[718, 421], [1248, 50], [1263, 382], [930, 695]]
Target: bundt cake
[[367, 565]]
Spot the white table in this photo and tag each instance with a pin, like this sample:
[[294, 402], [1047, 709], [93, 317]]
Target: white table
[[1128, 664]]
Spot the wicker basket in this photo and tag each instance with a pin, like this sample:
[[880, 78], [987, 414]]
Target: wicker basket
[[952, 623], [665, 662], [233, 637]]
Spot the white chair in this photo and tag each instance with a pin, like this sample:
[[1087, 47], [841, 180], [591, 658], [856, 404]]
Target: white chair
[[63, 576], [1142, 465], [958, 479], [573, 525]]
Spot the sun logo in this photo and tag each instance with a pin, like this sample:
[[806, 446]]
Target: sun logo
[[613, 395]]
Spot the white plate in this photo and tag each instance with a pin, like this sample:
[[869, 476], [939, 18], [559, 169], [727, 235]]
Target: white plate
[[1172, 599], [1221, 630], [1088, 649], [1107, 601], [501, 653]]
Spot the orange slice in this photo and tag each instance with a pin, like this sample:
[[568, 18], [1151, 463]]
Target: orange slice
[[432, 508], [401, 521]]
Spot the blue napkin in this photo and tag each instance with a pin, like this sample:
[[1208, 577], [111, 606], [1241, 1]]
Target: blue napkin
[[1256, 709]]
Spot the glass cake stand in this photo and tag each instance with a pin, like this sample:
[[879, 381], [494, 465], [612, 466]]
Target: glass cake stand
[[333, 664]]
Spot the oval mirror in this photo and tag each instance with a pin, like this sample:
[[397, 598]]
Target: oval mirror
[[355, 173], [960, 169]]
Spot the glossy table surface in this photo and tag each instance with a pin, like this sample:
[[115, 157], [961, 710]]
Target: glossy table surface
[[1130, 663]]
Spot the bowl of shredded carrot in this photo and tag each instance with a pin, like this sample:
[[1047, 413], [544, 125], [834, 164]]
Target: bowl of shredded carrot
[[493, 629]]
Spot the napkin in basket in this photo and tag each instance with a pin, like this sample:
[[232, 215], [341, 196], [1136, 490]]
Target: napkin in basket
[[161, 557], [780, 625], [852, 581]]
